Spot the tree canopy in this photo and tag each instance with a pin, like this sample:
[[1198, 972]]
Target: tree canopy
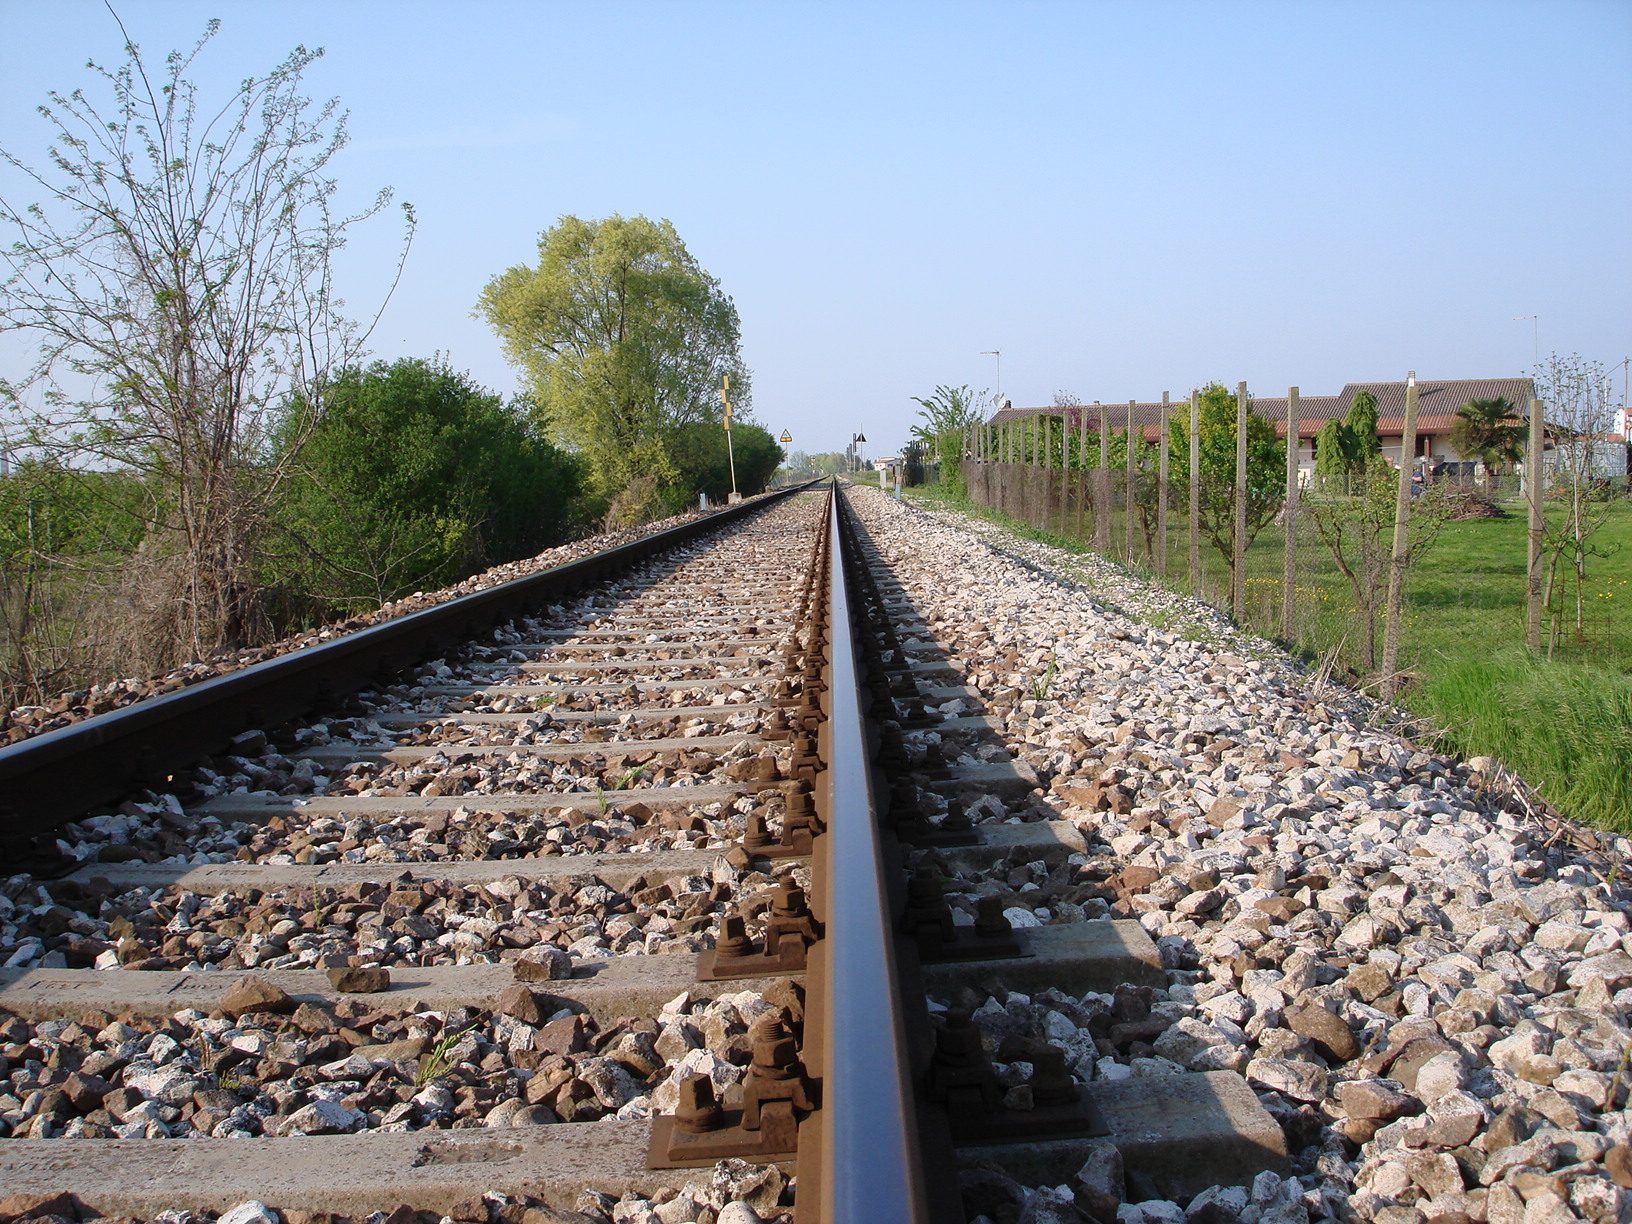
[[1266, 468], [947, 413], [413, 477], [1360, 432], [623, 340], [1349, 447], [1490, 429]]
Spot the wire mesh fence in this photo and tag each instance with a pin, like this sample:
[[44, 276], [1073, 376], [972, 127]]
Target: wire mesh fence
[[1304, 558]]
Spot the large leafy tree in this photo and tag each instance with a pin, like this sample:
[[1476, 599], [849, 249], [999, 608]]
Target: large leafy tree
[[176, 274], [623, 340], [1266, 469], [414, 477]]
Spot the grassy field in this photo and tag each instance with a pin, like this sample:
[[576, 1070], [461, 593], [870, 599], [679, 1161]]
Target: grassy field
[[1466, 593], [1564, 724]]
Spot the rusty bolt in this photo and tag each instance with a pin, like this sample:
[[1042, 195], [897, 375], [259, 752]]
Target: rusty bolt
[[699, 1111], [990, 921], [733, 943], [758, 837], [774, 1054]]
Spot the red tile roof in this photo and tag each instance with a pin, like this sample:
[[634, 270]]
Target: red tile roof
[[1437, 403]]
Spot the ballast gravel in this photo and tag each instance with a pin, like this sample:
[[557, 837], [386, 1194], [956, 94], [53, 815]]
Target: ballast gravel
[[1425, 984], [264, 1065], [67, 708]]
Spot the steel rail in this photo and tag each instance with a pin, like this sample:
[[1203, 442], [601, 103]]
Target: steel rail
[[56, 777], [872, 1167]]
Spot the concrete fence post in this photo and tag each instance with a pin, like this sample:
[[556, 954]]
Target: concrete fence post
[[1128, 494], [1535, 488], [1102, 484], [1238, 551], [1161, 494], [1195, 493], [1289, 570], [1402, 538]]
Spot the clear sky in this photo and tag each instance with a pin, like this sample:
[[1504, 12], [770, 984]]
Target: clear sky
[[1123, 198]]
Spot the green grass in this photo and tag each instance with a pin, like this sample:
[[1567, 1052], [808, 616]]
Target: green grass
[[1564, 727], [1466, 594], [1564, 724]]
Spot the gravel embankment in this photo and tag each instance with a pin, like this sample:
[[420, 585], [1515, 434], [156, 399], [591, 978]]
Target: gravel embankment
[[1426, 987]]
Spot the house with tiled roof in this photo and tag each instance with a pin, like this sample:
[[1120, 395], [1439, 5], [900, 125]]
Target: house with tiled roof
[[1437, 402]]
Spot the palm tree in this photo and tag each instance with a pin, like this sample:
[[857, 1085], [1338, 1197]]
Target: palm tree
[[1491, 429]]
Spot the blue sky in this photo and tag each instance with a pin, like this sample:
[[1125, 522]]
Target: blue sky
[[1123, 198]]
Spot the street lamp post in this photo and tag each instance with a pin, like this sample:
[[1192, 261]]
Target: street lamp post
[[997, 353]]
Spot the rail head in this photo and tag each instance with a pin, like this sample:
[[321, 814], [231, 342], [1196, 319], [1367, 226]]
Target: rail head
[[872, 1166]]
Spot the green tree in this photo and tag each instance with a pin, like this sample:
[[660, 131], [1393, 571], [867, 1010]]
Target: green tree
[[1491, 430], [1361, 443], [1332, 449], [702, 452], [1266, 469], [414, 477], [948, 413], [623, 340], [178, 270]]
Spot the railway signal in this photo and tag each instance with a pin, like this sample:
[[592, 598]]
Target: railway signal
[[730, 450]]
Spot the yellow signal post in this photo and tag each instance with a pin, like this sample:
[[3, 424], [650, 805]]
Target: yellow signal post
[[730, 450]]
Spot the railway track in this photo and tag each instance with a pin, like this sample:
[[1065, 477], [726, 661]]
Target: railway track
[[696, 885]]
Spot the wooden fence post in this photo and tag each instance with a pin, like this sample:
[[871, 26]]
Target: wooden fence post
[[1289, 571], [1402, 537], [1535, 488], [1238, 551], [1161, 496], [1195, 493], [1128, 495], [1082, 470], [1102, 484]]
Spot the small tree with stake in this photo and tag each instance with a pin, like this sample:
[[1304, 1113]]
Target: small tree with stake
[[1358, 532], [178, 280], [1576, 395], [1266, 468]]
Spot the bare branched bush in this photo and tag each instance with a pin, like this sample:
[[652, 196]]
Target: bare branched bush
[[176, 278], [637, 502]]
